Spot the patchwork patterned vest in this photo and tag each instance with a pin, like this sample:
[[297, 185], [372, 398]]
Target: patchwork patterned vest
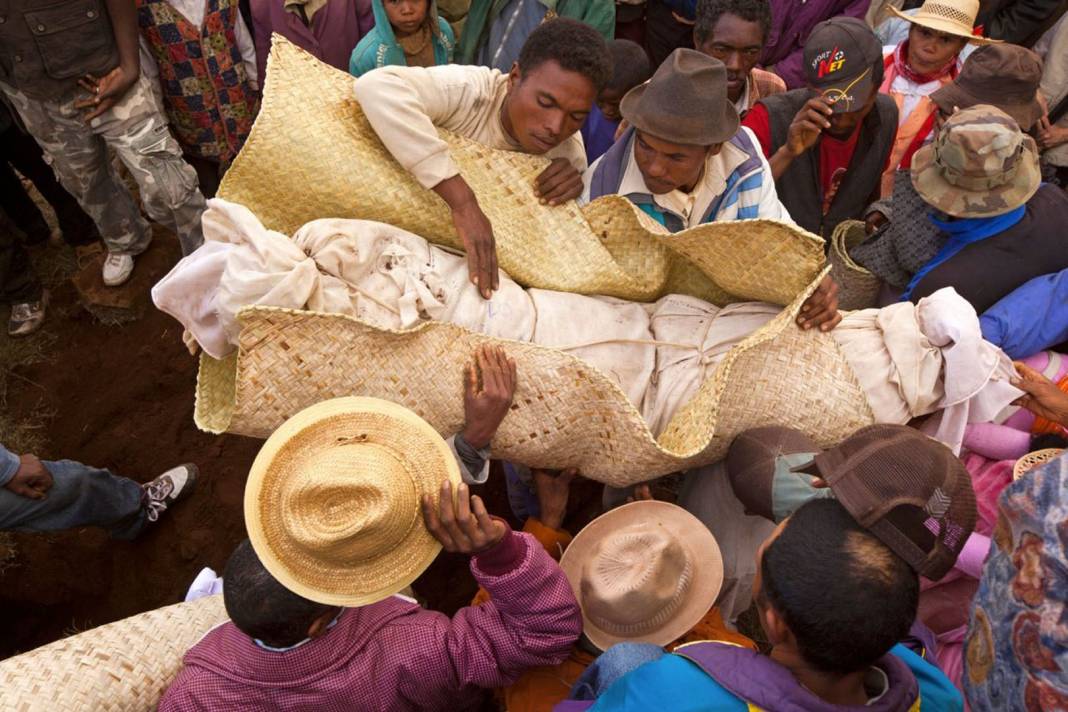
[[206, 89]]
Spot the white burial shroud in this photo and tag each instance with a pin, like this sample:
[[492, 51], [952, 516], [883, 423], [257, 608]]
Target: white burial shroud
[[911, 360]]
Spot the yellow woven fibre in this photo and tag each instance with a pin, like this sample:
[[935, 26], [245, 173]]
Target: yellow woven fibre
[[312, 155]]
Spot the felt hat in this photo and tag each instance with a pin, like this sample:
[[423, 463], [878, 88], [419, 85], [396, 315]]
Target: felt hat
[[839, 57], [953, 17], [1002, 75], [332, 500], [908, 490], [979, 165], [685, 101], [646, 572]]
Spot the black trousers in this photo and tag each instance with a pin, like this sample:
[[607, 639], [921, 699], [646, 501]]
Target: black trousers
[[663, 33], [21, 152], [18, 281]]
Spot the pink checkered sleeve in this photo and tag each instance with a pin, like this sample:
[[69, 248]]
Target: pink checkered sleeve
[[532, 619]]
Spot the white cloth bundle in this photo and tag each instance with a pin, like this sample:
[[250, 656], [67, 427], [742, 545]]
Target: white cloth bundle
[[911, 360]]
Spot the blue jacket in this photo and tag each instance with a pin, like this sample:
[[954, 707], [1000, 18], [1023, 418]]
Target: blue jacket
[[379, 47], [1031, 318], [720, 677]]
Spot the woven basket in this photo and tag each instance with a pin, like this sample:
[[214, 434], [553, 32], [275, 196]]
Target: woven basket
[[1033, 459], [312, 145], [122, 666], [858, 288], [566, 413]]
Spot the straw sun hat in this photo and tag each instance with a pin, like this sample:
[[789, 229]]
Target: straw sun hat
[[646, 572], [953, 17], [332, 500]]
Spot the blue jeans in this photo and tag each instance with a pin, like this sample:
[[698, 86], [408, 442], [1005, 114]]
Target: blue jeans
[[81, 496], [613, 664]]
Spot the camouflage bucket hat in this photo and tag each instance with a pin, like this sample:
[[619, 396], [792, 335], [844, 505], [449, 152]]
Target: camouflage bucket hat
[[980, 165]]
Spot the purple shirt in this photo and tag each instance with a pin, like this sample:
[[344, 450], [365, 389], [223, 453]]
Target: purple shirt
[[791, 23], [335, 29], [598, 134], [394, 655]]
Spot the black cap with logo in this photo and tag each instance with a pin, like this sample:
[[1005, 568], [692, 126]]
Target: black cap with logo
[[839, 57]]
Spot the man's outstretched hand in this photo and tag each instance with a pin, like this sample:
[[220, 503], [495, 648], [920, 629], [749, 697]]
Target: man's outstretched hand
[[558, 183], [475, 231], [31, 480], [1043, 397], [489, 384], [463, 526], [821, 309]]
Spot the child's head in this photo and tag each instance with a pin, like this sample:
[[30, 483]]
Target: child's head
[[630, 67], [406, 16], [832, 592]]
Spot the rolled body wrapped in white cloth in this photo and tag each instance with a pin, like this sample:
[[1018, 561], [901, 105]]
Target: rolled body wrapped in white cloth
[[910, 360]]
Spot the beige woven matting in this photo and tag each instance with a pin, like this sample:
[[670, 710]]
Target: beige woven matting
[[312, 154], [566, 413], [858, 288], [123, 666]]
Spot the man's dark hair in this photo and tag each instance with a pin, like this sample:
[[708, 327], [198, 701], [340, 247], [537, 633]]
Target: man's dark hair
[[574, 45], [260, 606], [709, 12], [845, 596], [630, 65]]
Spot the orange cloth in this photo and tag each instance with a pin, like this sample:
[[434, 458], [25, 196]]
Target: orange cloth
[[1041, 426], [542, 688]]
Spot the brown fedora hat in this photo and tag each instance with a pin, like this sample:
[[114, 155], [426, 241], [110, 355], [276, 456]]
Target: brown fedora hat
[[1002, 75], [685, 101]]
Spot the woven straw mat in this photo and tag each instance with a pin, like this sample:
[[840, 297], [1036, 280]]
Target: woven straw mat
[[312, 154], [312, 145], [565, 414], [857, 287], [124, 666]]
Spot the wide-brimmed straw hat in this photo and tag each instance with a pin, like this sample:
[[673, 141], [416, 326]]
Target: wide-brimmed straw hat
[[685, 101], [1002, 75], [979, 165], [332, 500], [953, 17], [645, 572]]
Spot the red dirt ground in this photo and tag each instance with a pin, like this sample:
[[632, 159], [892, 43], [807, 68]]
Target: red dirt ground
[[122, 398]]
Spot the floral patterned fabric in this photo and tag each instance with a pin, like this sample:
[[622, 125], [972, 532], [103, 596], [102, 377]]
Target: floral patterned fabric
[[1017, 646]]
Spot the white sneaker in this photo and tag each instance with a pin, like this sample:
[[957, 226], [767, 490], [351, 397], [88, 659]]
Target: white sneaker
[[173, 485], [27, 317], [117, 269]]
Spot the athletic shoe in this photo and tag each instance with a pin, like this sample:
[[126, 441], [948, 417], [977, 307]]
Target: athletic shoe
[[117, 269], [27, 317], [173, 485]]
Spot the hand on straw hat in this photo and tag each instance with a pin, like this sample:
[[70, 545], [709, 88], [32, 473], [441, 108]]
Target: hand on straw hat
[[1043, 398], [475, 232], [489, 384], [642, 493], [553, 490], [558, 183], [821, 309], [31, 480], [462, 526]]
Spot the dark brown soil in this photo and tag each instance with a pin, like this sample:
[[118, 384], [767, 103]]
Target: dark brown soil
[[121, 397]]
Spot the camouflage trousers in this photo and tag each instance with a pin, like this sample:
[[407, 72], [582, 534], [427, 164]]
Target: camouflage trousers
[[136, 130]]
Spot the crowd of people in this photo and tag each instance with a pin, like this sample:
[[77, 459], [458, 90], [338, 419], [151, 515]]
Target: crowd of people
[[891, 571]]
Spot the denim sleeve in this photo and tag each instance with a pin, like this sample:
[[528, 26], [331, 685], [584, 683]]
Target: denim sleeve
[[474, 464], [9, 465]]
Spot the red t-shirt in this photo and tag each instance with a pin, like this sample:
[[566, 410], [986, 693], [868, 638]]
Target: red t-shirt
[[835, 154]]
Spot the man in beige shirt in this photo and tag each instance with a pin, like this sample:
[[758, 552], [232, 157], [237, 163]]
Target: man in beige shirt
[[537, 108]]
